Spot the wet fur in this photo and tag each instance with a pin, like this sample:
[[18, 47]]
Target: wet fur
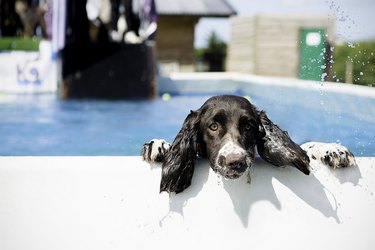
[[230, 148], [226, 130]]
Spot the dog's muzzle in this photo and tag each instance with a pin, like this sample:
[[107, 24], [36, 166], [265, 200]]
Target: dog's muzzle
[[232, 161]]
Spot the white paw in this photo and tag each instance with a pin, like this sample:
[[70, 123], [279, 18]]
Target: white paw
[[330, 154], [155, 150]]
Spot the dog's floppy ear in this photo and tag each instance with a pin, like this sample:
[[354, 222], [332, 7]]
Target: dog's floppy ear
[[178, 165], [276, 147]]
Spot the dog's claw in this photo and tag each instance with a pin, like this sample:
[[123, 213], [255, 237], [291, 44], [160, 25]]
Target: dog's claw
[[331, 154], [155, 150]]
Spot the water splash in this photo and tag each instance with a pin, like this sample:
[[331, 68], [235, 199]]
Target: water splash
[[351, 45], [323, 76], [342, 17]]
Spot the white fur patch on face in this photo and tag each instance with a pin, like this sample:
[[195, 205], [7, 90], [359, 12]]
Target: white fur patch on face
[[232, 161], [331, 154], [231, 148]]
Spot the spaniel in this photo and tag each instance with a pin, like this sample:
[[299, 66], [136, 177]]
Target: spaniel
[[226, 130]]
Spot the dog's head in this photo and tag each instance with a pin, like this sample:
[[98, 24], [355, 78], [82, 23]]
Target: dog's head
[[226, 130]]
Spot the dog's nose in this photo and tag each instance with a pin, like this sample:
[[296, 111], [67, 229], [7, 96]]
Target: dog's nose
[[234, 160]]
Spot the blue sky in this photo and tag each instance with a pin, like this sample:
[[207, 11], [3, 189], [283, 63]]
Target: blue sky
[[355, 19]]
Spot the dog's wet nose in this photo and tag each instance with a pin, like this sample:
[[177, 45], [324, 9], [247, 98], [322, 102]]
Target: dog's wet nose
[[234, 160]]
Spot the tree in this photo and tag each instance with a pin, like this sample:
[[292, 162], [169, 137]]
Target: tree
[[362, 58], [214, 53]]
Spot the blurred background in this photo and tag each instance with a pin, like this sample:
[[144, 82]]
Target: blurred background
[[348, 23], [101, 77], [253, 37]]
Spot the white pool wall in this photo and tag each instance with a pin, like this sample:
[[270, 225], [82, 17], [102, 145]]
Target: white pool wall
[[114, 203], [191, 83]]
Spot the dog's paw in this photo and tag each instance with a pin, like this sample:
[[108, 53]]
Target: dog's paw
[[155, 150], [330, 154]]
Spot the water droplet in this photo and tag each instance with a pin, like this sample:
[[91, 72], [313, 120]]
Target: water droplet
[[323, 76]]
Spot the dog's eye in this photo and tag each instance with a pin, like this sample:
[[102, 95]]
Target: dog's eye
[[214, 126], [248, 126]]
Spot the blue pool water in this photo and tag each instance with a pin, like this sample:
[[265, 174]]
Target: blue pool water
[[45, 125]]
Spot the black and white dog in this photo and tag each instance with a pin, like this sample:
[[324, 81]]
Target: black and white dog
[[226, 130]]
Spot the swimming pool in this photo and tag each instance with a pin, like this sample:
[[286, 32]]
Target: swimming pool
[[45, 125]]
